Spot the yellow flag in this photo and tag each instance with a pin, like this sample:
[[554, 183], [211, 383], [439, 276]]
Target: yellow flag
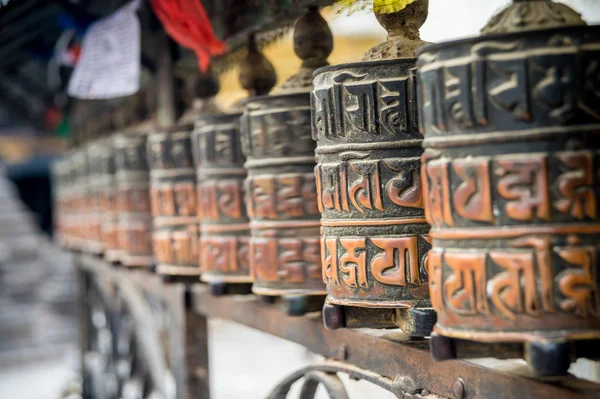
[[379, 6]]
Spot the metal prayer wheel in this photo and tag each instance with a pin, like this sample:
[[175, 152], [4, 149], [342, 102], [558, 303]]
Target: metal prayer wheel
[[80, 200], [133, 201], [280, 188], [510, 183], [95, 182], [65, 201], [374, 233], [105, 183], [173, 200], [225, 234], [59, 182]]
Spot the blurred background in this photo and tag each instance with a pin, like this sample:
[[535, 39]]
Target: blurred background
[[38, 333]]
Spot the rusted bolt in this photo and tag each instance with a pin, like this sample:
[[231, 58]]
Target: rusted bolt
[[343, 352], [403, 384], [459, 389]]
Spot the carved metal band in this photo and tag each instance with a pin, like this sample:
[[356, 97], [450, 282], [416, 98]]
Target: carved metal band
[[510, 184], [281, 195], [374, 235], [134, 232], [176, 246], [277, 127], [173, 201], [225, 233]]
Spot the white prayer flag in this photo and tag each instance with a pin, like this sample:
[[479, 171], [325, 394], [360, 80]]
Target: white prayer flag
[[109, 65]]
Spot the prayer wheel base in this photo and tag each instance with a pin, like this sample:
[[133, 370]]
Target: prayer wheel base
[[218, 278], [136, 261], [417, 322], [177, 270], [545, 357], [112, 255], [295, 305], [226, 288]]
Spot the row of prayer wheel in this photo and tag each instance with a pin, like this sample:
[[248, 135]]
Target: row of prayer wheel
[[457, 189]]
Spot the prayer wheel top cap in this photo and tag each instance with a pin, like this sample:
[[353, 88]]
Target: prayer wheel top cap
[[313, 43], [526, 15], [204, 89], [257, 75], [403, 32]]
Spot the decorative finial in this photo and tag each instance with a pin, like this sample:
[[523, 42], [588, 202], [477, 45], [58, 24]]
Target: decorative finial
[[205, 85], [403, 32], [257, 75], [313, 43], [203, 88], [524, 15]]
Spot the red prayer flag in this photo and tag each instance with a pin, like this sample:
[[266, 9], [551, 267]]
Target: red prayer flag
[[187, 23]]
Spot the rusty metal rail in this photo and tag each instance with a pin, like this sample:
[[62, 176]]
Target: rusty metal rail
[[385, 352]]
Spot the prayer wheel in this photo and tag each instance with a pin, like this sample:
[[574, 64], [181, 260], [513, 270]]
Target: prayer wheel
[[173, 187], [107, 199], [66, 197], [280, 188], [374, 240], [510, 183], [80, 200], [96, 180], [60, 186], [173, 200], [133, 200], [225, 233]]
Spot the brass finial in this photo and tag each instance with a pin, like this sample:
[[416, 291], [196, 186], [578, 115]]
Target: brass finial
[[204, 87], [403, 32], [313, 43], [257, 75], [524, 15]]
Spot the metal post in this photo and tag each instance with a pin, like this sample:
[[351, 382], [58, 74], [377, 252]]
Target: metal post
[[188, 344], [165, 84]]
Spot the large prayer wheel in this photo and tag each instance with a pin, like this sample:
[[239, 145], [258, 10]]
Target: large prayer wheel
[[96, 181], [374, 233], [173, 200], [510, 182], [225, 233], [80, 201], [60, 174], [281, 192], [133, 200], [107, 199]]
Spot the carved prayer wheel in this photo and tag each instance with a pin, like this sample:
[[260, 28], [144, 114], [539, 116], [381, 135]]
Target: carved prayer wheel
[[133, 201], [60, 174], [95, 152], [225, 233], [173, 200], [510, 183], [66, 201], [80, 197], [281, 192], [374, 234], [107, 199], [173, 188]]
